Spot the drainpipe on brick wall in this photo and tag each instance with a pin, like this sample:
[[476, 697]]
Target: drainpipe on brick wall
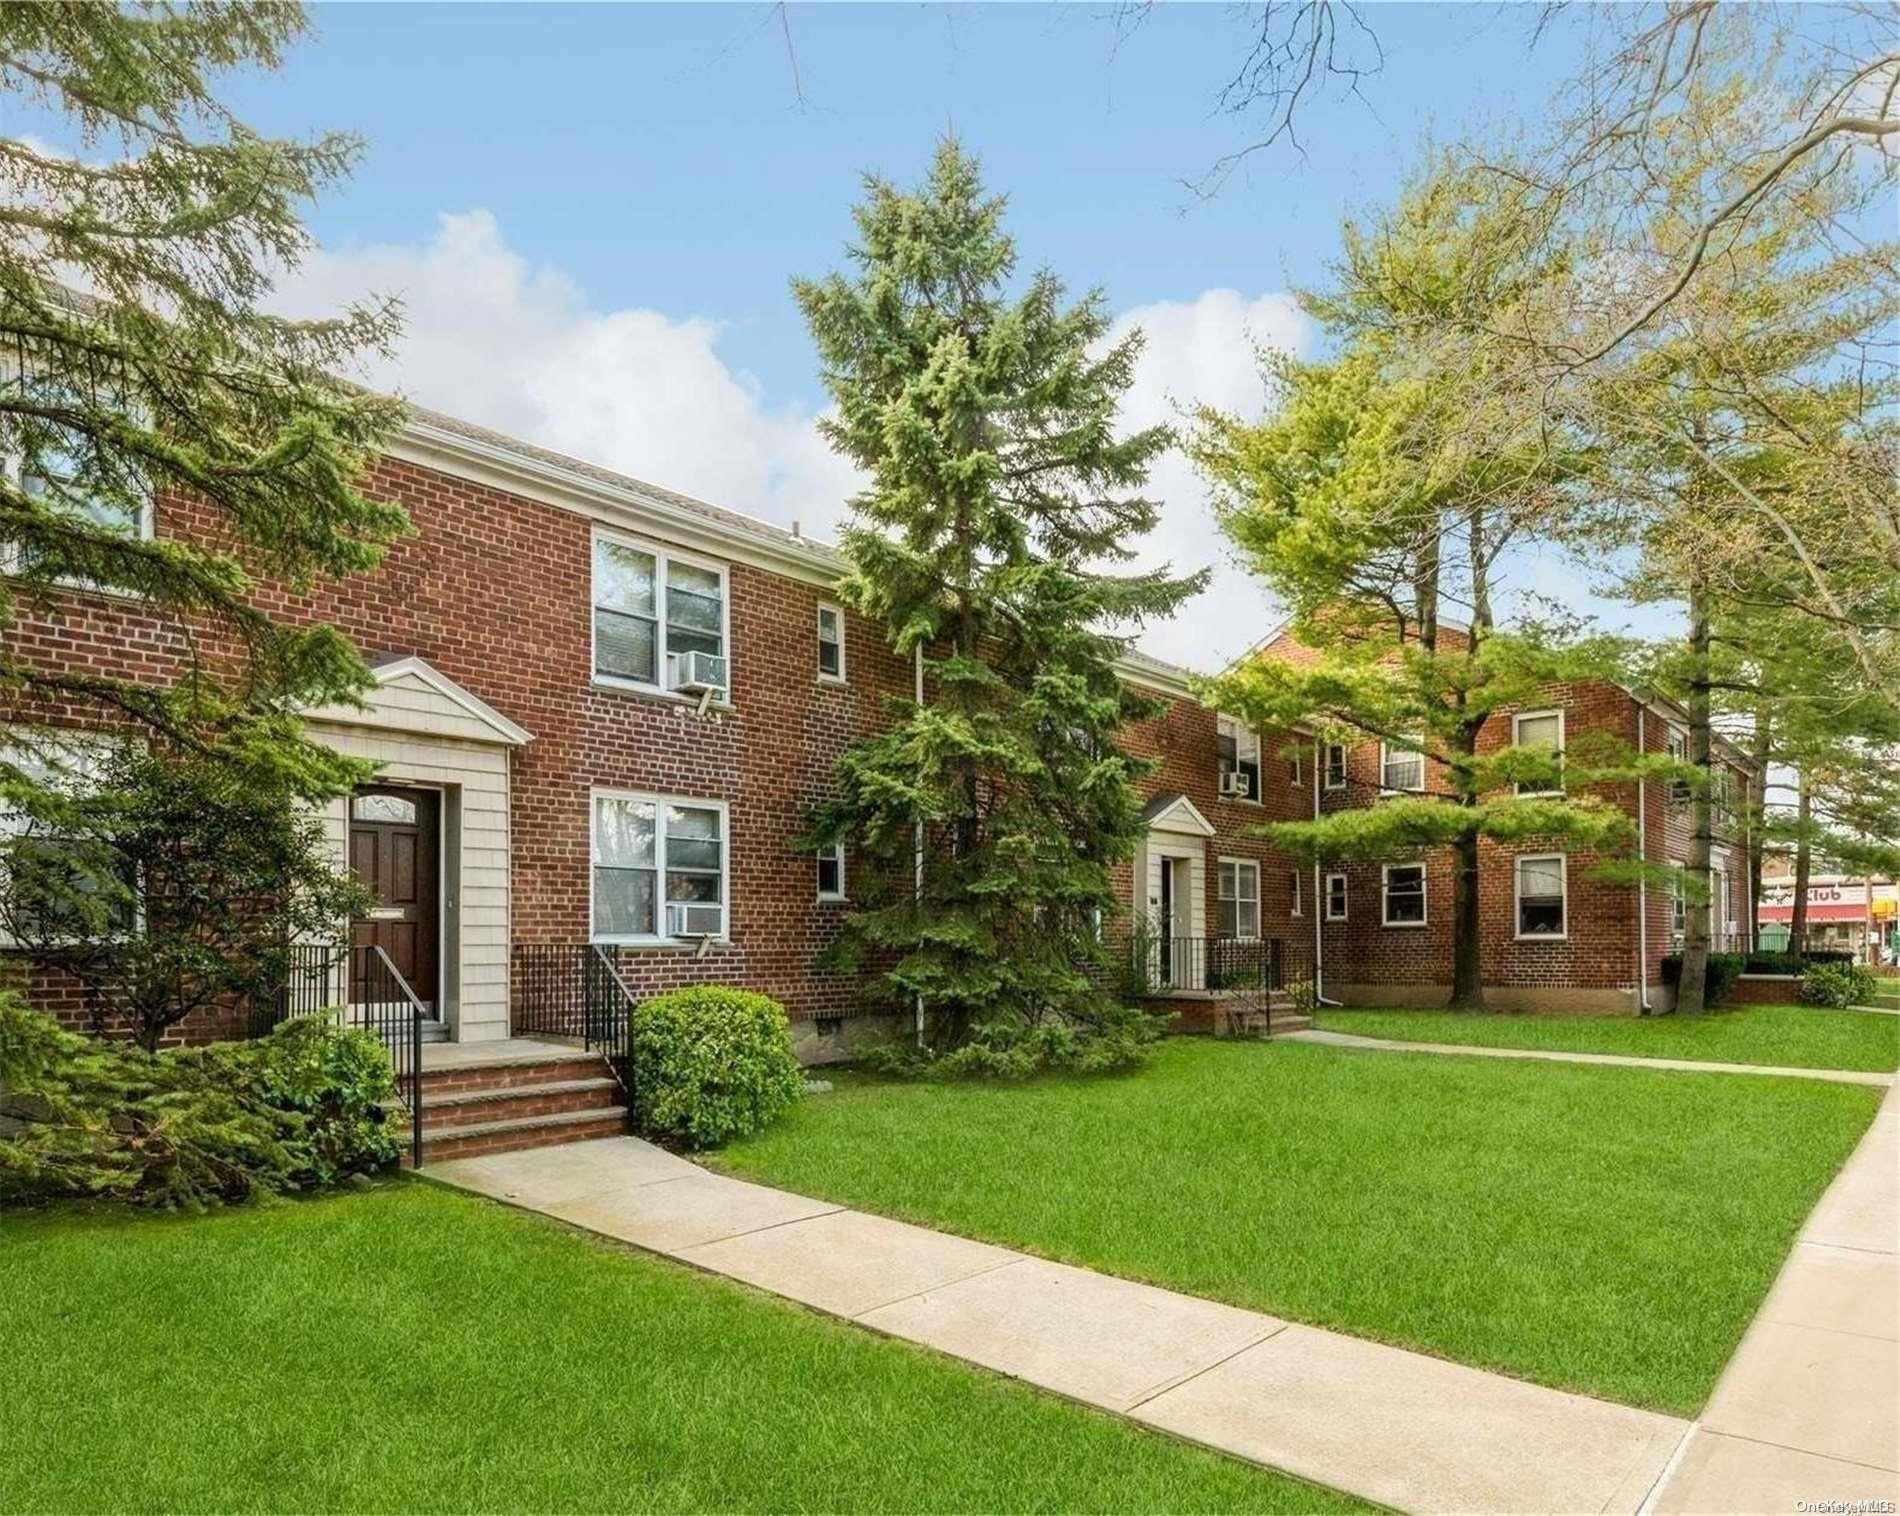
[[1642, 884], [917, 844], [1319, 903]]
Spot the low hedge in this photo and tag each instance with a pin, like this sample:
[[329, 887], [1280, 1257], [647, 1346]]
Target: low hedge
[[1839, 985], [301, 1109], [709, 1064]]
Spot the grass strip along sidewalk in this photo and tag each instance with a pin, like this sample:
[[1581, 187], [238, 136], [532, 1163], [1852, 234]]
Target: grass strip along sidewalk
[[411, 1349], [1606, 1230], [1799, 1037]]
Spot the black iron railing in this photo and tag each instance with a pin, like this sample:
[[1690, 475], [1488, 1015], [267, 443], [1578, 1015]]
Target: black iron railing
[[571, 990], [382, 1003], [314, 977], [1217, 965]]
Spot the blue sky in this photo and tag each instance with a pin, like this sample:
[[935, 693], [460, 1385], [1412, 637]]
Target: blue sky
[[592, 211]]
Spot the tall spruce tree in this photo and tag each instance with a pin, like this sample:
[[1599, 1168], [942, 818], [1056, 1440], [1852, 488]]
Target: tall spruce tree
[[987, 817]]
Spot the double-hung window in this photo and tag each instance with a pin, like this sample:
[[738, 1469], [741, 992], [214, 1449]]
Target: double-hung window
[[54, 883], [1404, 894], [1678, 904], [1238, 897], [1401, 767], [1541, 897], [831, 644], [831, 872], [1335, 765], [1335, 897], [1293, 765], [1293, 892], [659, 868], [652, 613], [1540, 729], [1676, 744], [1238, 759], [1719, 920], [62, 476]]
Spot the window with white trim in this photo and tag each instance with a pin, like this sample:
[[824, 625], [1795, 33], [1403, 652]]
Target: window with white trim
[[1678, 903], [56, 478], [831, 643], [1335, 765], [69, 764], [1404, 894], [1544, 729], [1719, 920], [1401, 767], [1542, 896], [659, 868], [1293, 765], [831, 872], [652, 610], [1237, 757], [1237, 892], [1335, 897], [1676, 745], [1293, 892]]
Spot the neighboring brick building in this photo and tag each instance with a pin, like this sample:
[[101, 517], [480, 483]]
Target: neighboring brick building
[[1553, 938], [603, 711]]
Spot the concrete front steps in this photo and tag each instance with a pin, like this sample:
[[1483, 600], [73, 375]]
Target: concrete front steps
[[518, 1096]]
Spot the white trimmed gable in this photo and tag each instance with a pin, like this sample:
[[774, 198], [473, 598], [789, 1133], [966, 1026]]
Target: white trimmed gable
[[413, 697]]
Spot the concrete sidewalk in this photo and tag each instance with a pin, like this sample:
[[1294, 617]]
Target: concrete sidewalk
[[1619, 1060], [1409, 1431], [1808, 1409]]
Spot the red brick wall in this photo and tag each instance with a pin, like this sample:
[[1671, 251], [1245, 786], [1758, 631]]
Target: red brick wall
[[495, 592]]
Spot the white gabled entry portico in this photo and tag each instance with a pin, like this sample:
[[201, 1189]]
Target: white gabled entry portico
[[430, 837], [1171, 886]]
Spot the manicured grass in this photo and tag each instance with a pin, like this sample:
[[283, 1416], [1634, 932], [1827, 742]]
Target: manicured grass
[[411, 1349], [1602, 1229], [1793, 1036]]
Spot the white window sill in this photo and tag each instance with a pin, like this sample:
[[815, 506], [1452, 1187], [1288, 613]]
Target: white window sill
[[656, 692], [834, 899], [667, 944], [1541, 794], [1542, 937], [834, 681], [1403, 926], [1337, 920]]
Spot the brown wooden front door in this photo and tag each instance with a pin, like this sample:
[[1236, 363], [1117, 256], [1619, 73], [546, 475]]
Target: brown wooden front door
[[394, 854]]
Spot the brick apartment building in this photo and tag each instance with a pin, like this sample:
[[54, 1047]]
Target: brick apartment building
[[603, 709]]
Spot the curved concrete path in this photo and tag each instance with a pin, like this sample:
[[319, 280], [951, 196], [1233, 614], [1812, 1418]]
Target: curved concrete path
[[1620, 1060], [1400, 1428], [1807, 1414]]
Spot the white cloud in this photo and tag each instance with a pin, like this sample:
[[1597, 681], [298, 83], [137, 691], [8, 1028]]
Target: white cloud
[[1205, 351], [496, 340]]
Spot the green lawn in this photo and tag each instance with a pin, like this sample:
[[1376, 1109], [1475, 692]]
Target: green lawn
[[1603, 1229], [1794, 1036], [411, 1349]]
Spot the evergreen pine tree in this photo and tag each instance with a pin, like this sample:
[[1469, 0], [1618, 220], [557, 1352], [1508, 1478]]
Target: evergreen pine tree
[[987, 817]]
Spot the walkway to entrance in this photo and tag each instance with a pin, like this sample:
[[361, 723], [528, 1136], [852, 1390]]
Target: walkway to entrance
[[1409, 1431]]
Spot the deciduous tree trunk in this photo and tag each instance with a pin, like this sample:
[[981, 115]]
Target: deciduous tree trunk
[[1691, 989], [1798, 924]]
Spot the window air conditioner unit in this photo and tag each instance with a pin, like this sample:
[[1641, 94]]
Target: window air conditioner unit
[[1234, 782], [696, 673], [693, 920]]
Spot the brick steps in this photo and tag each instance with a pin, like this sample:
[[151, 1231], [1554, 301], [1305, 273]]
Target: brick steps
[[518, 1100]]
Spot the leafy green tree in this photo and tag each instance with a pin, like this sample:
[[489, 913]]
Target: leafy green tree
[[1389, 484], [989, 814], [141, 376], [167, 884]]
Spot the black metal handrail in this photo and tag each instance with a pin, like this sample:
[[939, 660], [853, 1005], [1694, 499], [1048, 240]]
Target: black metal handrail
[[1220, 964], [381, 1002], [572, 990]]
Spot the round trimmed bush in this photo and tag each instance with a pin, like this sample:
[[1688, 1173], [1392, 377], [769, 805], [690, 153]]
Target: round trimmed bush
[[1838, 985], [709, 1064]]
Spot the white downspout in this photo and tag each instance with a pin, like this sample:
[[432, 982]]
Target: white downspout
[[1319, 899], [1642, 883]]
